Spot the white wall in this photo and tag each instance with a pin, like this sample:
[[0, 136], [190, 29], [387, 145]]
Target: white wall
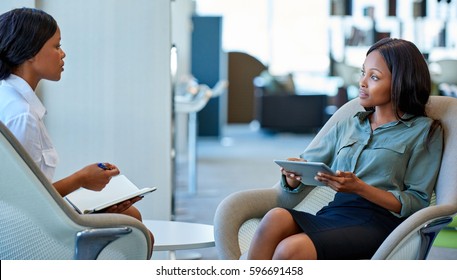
[[181, 35], [113, 102], [6, 5]]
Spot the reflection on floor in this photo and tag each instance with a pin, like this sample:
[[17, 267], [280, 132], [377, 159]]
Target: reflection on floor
[[241, 159]]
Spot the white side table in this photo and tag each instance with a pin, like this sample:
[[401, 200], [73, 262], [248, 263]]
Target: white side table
[[172, 236]]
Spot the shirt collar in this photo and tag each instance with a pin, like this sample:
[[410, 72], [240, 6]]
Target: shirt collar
[[407, 118], [27, 93]]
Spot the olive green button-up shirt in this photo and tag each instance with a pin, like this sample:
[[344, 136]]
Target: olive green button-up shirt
[[394, 157]]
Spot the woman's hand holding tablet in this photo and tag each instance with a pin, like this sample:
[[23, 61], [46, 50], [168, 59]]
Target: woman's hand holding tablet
[[305, 170]]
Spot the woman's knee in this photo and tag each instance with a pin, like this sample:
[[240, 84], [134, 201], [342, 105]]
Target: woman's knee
[[296, 247], [133, 212], [277, 220], [277, 215]]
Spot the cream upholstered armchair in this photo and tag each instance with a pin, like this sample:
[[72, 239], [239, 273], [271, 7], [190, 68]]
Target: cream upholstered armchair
[[238, 215], [36, 223]]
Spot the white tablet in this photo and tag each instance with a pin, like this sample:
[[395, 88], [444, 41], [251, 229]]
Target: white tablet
[[306, 170]]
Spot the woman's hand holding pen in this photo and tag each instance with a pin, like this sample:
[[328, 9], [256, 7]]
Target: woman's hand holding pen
[[96, 176]]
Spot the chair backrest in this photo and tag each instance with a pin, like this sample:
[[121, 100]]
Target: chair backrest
[[439, 107], [444, 109], [36, 223]]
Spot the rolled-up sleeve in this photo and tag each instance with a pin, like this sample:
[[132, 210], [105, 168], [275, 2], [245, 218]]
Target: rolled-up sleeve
[[287, 188]]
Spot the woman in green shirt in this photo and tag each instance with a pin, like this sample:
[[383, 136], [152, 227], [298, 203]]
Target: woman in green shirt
[[387, 158]]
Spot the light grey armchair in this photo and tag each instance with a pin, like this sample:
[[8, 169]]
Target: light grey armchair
[[238, 215], [36, 223]]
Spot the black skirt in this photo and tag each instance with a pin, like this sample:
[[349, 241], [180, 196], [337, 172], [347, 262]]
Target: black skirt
[[350, 227]]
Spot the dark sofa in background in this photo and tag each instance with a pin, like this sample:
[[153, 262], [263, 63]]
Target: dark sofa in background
[[283, 111]]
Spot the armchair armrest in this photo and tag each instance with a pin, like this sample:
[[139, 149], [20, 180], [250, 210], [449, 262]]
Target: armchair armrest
[[111, 228], [242, 206], [425, 224]]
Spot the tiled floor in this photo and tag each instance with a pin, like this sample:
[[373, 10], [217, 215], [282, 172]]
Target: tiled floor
[[242, 159]]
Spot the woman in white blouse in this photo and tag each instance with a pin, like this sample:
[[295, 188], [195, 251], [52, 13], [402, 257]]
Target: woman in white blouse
[[29, 52]]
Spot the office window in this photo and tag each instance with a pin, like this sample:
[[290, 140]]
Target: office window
[[286, 35]]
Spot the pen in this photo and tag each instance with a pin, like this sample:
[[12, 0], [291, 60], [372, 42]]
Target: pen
[[103, 166]]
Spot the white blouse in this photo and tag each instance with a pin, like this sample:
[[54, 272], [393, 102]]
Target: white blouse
[[22, 112]]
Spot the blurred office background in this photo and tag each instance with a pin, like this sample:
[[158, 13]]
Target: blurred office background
[[194, 96]]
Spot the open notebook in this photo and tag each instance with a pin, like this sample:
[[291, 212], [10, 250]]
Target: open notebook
[[119, 189]]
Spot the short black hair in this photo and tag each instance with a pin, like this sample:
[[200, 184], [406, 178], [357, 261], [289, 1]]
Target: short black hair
[[23, 32]]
